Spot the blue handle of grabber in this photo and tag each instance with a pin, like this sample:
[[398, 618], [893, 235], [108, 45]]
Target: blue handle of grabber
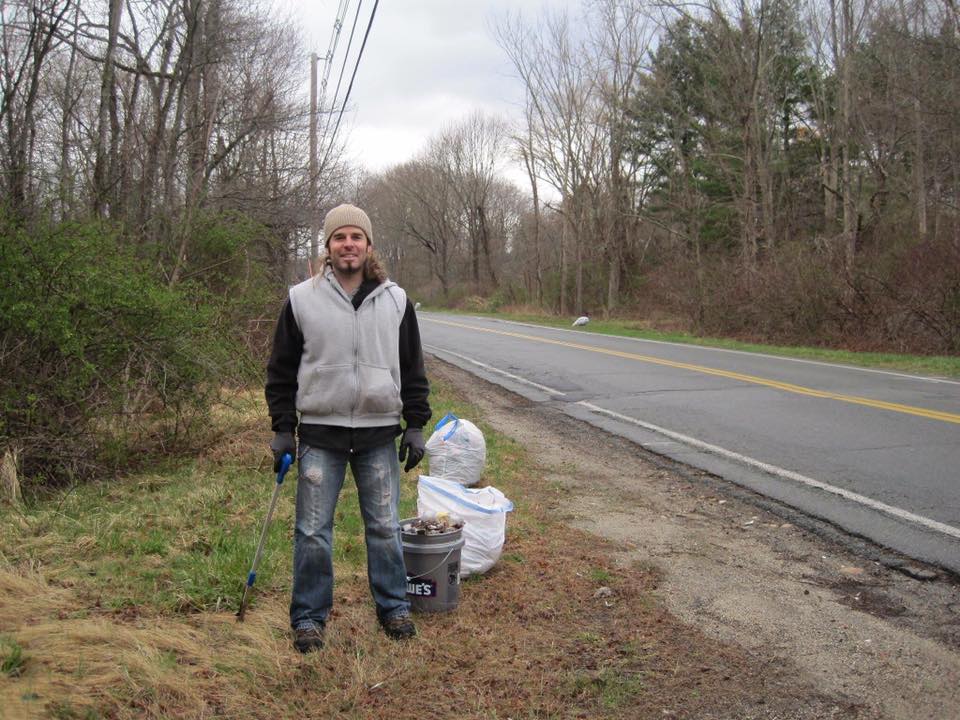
[[285, 462]]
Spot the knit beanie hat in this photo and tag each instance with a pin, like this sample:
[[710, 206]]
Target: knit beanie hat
[[343, 215]]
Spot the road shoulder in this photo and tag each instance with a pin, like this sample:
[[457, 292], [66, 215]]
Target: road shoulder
[[743, 571]]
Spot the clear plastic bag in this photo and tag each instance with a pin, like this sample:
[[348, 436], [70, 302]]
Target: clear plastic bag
[[457, 450]]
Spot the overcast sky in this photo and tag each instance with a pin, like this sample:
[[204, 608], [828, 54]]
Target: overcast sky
[[427, 64]]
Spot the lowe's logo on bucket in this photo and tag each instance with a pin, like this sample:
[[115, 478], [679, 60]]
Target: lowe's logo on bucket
[[424, 588]]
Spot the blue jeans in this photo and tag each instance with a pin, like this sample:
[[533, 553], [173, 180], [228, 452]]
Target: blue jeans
[[319, 481]]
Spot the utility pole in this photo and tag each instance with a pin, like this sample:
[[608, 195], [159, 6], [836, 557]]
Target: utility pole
[[312, 203]]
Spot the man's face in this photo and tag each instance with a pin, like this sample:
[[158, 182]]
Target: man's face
[[348, 248]]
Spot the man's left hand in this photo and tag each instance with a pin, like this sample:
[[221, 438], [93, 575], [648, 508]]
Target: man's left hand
[[412, 448]]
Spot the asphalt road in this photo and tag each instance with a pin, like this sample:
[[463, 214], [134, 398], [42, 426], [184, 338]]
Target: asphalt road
[[876, 453]]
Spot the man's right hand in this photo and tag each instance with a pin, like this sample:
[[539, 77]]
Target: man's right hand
[[282, 444]]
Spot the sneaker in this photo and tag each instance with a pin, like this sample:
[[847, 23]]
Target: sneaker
[[400, 627], [308, 639]]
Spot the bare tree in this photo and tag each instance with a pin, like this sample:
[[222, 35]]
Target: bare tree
[[622, 40], [526, 154], [847, 22], [422, 208], [468, 155], [106, 118], [566, 134], [28, 35]]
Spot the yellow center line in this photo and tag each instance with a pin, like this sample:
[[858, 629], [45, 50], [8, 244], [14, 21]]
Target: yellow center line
[[787, 387]]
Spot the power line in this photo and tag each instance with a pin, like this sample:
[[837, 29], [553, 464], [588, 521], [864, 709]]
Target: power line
[[332, 49], [356, 66], [343, 65], [353, 76]]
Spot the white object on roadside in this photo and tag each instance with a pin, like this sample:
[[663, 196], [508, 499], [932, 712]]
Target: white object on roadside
[[484, 513], [457, 450], [582, 320]]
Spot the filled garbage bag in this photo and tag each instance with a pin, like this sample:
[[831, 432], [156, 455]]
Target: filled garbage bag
[[484, 514], [457, 450]]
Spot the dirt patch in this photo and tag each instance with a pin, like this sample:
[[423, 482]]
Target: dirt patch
[[856, 637], [862, 597]]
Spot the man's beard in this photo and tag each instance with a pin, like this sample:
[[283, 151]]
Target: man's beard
[[347, 268]]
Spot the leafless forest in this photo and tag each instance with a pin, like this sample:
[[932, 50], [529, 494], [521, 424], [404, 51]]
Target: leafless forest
[[784, 167], [785, 170]]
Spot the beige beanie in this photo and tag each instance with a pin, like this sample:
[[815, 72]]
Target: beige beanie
[[343, 215]]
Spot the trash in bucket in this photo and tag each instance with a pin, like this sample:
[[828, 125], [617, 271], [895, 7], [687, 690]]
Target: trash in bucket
[[431, 554]]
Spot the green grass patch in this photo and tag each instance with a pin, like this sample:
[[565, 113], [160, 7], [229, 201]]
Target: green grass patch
[[614, 688], [934, 365], [600, 575], [182, 538], [12, 659], [180, 542], [67, 711]]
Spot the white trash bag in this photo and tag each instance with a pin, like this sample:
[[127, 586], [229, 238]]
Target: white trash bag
[[484, 513], [457, 450]]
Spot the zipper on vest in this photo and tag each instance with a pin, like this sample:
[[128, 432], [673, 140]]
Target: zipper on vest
[[356, 364]]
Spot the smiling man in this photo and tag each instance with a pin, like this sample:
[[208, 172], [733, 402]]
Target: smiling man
[[346, 367]]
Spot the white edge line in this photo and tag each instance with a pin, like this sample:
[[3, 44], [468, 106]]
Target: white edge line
[[908, 376], [492, 369], [786, 474]]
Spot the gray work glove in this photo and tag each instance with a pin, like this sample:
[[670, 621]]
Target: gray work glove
[[281, 444], [412, 448]]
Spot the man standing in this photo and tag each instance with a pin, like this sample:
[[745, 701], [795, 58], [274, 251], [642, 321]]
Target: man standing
[[347, 357]]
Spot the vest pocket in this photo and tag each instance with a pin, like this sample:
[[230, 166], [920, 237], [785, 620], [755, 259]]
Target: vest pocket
[[328, 391], [378, 391]]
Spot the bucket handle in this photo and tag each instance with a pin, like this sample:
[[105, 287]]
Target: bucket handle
[[435, 567]]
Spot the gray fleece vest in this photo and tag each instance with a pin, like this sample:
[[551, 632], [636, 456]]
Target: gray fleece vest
[[349, 372]]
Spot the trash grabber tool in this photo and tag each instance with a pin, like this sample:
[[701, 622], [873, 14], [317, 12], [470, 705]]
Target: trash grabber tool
[[285, 462]]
